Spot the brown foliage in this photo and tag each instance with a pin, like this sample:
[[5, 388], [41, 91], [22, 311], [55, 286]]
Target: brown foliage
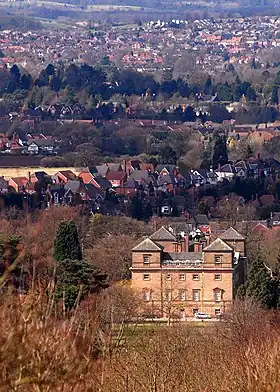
[[38, 236], [112, 254], [96, 349], [115, 225], [109, 242]]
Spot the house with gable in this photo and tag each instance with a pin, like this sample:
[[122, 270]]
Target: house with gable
[[3, 185], [117, 179], [175, 282], [18, 183], [167, 169], [75, 192], [63, 176], [41, 146], [101, 183], [197, 178], [227, 172]]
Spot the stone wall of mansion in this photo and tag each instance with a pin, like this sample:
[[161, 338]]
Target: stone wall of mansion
[[179, 277]]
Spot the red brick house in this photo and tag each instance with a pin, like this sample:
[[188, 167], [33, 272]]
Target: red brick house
[[18, 183], [64, 175], [117, 179], [86, 176]]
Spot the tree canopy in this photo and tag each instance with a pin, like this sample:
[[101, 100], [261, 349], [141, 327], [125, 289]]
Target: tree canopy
[[67, 244]]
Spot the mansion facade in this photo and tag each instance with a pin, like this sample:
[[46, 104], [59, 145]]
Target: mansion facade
[[177, 278]]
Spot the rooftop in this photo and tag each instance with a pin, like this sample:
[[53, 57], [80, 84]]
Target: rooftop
[[218, 246], [147, 246], [163, 234], [187, 259], [231, 234]]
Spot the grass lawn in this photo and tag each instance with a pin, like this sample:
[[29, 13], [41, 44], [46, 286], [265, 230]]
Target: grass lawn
[[126, 26], [108, 7], [141, 328]]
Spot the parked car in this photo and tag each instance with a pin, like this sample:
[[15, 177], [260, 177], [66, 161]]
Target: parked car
[[202, 316]]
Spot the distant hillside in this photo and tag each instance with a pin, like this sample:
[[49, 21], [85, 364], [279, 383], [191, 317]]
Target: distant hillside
[[18, 22], [127, 11], [177, 5]]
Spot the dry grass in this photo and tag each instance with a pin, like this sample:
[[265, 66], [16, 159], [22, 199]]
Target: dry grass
[[8, 172], [42, 350]]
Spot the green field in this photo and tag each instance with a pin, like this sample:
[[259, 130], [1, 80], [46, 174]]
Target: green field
[[100, 7]]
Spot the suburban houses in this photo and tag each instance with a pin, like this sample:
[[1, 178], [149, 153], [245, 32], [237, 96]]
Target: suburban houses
[[232, 41]]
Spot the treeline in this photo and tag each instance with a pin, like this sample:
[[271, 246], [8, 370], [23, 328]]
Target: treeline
[[89, 87], [19, 23], [106, 80]]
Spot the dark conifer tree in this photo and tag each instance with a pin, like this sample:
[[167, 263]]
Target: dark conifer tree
[[75, 277], [67, 244], [136, 208], [274, 95], [220, 155], [261, 285]]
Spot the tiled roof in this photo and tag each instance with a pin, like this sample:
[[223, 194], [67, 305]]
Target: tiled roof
[[115, 176], [20, 180], [147, 246], [218, 245], [169, 168], [231, 234], [140, 174], [201, 219], [182, 256], [67, 173], [73, 185], [163, 234]]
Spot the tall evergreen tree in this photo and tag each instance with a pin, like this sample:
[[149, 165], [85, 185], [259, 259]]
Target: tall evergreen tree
[[189, 114], [274, 95], [261, 285], [136, 208], [15, 73], [67, 244], [50, 70], [254, 64], [26, 81], [220, 155], [76, 279], [208, 86], [43, 79], [251, 94], [277, 79]]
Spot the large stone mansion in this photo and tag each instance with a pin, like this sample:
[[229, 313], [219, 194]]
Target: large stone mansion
[[178, 282]]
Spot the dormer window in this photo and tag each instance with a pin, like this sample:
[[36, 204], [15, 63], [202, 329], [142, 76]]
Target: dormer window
[[146, 259], [217, 259]]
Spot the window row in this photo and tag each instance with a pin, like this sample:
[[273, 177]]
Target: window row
[[181, 295], [217, 259], [182, 277]]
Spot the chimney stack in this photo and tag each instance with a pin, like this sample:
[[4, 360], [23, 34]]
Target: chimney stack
[[196, 247], [186, 243], [203, 244]]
